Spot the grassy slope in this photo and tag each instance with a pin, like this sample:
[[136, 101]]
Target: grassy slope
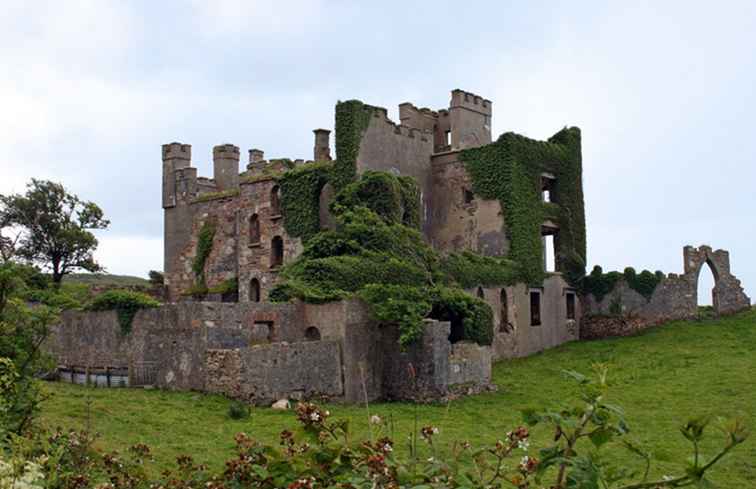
[[103, 279], [661, 378]]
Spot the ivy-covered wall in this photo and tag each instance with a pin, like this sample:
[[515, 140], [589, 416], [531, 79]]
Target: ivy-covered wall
[[509, 170]]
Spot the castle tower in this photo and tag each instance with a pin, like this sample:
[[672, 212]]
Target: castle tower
[[470, 120], [226, 166]]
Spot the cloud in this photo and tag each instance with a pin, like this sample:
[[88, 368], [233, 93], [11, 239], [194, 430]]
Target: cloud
[[130, 255]]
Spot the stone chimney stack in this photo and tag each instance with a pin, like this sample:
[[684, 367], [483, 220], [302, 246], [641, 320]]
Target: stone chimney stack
[[256, 156], [322, 150], [226, 166]]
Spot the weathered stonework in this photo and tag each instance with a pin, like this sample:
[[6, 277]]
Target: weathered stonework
[[218, 347], [676, 296]]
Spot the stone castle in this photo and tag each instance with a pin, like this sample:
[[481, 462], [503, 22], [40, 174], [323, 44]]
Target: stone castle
[[230, 338]]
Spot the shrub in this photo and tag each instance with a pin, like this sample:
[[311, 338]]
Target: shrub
[[238, 410], [126, 303]]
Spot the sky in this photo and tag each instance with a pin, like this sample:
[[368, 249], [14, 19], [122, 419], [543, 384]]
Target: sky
[[662, 91]]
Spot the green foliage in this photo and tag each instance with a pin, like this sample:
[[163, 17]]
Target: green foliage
[[352, 119], [300, 198], [23, 330], [209, 196], [323, 452], [228, 286], [238, 410], [395, 199], [471, 270], [389, 265], [157, 279], [126, 303], [509, 171], [204, 248], [55, 227], [459, 307], [599, 284], [403, 305]]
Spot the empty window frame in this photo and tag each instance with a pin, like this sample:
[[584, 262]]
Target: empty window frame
[[535, 308], [570, 301], [548, 185], [254, 229], [276, 252], [468, 196], [275, 201], [254, 290]]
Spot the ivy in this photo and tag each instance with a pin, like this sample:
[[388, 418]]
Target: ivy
[[600, 284], [126, 303], [352, 119], [300, 198], [390, 266], [509, 170], [204, 248], [470, 270], [394, 199]]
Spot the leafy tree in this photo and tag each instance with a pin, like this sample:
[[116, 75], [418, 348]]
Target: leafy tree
[[157, 279], [55, 227], [23, 330]]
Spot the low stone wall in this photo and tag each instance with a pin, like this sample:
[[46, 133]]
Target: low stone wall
[[265, 373], [263, 352]]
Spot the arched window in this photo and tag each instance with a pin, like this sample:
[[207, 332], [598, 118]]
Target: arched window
[[706, 285], [276, 252], [275, 201], [504, 325], [254, 229], [254, 290], [312, 334], [481, 295]]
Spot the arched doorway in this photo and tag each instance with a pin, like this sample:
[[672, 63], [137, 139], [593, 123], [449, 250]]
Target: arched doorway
[[706, 288], [254, 229]]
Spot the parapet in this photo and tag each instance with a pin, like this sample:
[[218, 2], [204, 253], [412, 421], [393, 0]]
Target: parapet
[[468, 100], [226, 151], [177, 151]]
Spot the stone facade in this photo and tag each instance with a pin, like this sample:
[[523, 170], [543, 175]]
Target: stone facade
[[675, 297], [426, 145]]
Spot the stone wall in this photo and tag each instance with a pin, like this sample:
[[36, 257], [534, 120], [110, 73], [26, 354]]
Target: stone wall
[[398, 149], [260, 352], [675, 297], [459, 220], [266, 373]]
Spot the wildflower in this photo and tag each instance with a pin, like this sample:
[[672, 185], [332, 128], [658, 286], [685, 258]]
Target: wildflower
[[375, 419]]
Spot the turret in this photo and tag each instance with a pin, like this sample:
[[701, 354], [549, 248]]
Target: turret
[[226, 166], [322, 149], [470, 117], [175, 157]]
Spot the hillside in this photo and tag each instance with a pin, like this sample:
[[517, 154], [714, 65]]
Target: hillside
[[661, 378], [106, 280]]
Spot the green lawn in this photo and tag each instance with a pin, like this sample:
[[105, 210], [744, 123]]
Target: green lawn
[[661, 378]]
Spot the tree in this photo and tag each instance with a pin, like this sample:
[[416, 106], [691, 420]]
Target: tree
[[55, 227]]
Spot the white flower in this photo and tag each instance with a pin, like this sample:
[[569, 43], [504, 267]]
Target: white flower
[[524, 444], [435, 431], [315, 417], [375, 419], [524, 461]]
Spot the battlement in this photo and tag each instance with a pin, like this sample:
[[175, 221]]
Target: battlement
[[471, 101], [177, 151], [226, 151], [401, 129]]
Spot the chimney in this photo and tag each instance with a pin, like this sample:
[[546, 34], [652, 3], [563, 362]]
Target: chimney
[[322, 150]]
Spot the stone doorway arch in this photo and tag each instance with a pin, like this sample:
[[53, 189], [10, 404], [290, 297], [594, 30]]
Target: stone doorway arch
[[727, 295]]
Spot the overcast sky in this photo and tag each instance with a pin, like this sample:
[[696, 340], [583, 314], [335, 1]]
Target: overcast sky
[[663, 93]]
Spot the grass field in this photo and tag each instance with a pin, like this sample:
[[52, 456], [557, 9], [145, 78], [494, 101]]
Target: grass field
[[661, 378]]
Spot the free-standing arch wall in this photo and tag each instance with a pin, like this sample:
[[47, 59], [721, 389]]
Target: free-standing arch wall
[[728, 295]]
